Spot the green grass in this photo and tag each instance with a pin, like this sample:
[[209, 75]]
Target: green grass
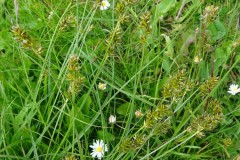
[[144, 51]]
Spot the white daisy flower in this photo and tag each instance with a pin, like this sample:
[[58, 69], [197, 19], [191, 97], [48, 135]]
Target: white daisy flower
[[112, 119], [102, 86], [99, 147], [104, 5], [233, 89]]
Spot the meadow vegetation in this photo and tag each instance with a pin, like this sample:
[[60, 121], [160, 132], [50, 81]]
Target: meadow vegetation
[[120, 79]]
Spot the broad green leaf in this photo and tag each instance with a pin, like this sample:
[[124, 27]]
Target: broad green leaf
[[237, 112], [216, 31], [163, 7], [124, 109], [106, 136], [220, 54], [166, 64], [220, 57], [78, 118], [204, 70], [86, 99], [169, 45], [19, 119], [81, 121]]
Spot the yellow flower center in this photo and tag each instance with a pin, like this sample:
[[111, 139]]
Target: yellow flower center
[[235, 89], [104, 4], [102, 86], [99, 149]]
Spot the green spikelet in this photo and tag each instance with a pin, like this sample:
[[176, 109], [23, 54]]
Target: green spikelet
[[165, 92], [25, 40], [69, 21], [114, 37], [129, 2], [21, 36], [215, 107], [132, 144], [145, 22], [123, 18], [125, 145], [209, 120], [150, 120], [162, 112], [120, 7], [177, 85], [208, 85], [70, 157], [209, 13], [162, 128], [158, 115], [227, 142], [75, 78]]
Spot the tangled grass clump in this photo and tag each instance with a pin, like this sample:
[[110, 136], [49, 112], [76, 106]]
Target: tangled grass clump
[[167, 70]]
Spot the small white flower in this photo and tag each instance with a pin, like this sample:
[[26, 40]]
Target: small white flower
[[197, 59], [233, 89], [138, 114], [99, 147], [24, 41], [102, 86], [50, 15], [161, 18], [112, 119], [104, 5]]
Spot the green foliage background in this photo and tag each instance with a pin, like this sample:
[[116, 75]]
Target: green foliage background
[[50, 68]]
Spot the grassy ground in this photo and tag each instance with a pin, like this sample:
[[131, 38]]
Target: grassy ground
[[167, 66]]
